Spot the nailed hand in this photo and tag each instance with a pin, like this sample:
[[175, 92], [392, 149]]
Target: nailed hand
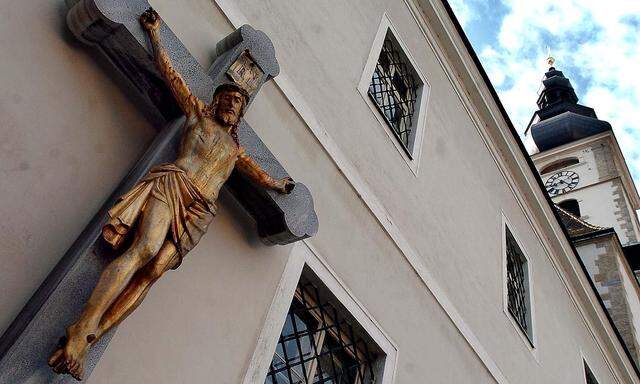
[[150, 20], [286, 185]]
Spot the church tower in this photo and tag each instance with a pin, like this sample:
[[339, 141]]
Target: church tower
[[579, 160], [584, 172]]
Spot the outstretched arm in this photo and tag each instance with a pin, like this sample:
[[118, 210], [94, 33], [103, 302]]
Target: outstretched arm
[[189, 104], [251, 169]]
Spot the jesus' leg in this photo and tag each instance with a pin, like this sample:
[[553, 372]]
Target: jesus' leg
[[152, 231], [138, 287], [135, 292]]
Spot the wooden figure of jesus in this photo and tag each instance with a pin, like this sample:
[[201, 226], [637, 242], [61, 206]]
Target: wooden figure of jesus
[[171, 207]]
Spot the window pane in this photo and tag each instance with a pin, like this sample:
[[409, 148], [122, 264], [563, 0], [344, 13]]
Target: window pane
[[517, 284], [590, 378], [559, 165], [394, 90], [571, 206], [318, 345], [335, 365]]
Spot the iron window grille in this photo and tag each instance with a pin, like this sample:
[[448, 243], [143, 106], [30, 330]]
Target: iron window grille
[[591, 379], [394, 91], [517, 284], [318, 345]]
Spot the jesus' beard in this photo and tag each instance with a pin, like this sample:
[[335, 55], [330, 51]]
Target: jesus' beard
[[226, 119]]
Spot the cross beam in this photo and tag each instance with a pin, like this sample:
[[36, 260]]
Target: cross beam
[[112, 27]]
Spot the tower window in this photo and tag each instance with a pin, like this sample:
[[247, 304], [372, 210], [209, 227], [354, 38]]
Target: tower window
[[556, 165], [319, 343], [518, 295], [590, 378], [394, 89], [571, 206]]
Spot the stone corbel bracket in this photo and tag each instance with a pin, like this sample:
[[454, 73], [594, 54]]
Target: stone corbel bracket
[[113, 27]]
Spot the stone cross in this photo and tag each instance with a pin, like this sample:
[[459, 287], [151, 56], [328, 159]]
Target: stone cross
[[246, 56]]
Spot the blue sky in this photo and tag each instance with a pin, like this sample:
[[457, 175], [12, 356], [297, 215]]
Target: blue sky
[[595, 43]]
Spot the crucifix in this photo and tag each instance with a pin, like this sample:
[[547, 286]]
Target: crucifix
[[169, 196]]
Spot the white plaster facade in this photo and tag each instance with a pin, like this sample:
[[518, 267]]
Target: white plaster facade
[[606, 193], [415, 256]]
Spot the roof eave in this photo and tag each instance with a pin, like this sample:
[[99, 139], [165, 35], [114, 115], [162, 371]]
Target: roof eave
[[503, 114]]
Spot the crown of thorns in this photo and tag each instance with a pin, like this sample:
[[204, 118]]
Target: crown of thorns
[[232, 87]]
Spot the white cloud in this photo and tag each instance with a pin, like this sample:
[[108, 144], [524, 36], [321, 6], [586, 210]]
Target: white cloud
[[463, 11], [595, 39]]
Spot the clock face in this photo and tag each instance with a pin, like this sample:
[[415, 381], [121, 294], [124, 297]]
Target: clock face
[[561, 182]]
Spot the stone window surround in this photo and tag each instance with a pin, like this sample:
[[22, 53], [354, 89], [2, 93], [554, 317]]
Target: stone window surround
[[303, 256], [530, 339], [419, 120]]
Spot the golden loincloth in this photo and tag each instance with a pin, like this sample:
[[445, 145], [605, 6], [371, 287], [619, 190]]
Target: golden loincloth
[[191, 212]]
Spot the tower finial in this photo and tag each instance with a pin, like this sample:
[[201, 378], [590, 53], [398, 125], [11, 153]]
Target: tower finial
[[550, 59]]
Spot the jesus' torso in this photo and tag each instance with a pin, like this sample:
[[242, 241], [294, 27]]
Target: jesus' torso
[[207, 154]]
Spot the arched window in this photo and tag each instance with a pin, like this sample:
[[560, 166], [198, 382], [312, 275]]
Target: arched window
[[559, 165], [571, 206]]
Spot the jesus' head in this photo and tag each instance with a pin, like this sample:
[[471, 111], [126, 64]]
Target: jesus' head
[[229, 102]]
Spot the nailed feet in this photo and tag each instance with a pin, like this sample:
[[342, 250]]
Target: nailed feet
[[70, 358]]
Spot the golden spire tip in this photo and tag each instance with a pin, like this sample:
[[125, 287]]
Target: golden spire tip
[[550, 59]]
